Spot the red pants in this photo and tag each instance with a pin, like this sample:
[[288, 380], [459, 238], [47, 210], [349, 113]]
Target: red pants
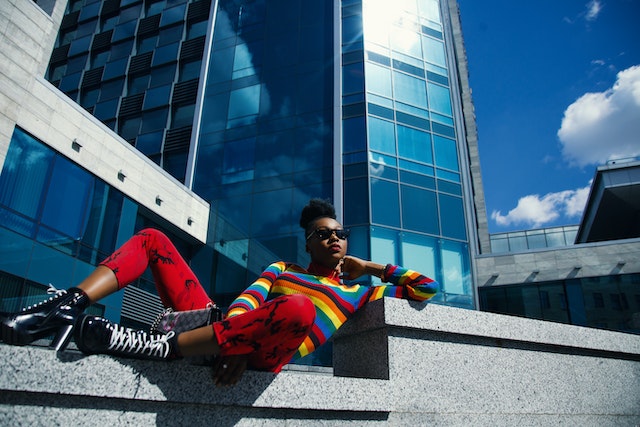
[[271, 333]]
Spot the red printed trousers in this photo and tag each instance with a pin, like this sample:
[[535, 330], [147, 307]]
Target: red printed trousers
[[270, 334]]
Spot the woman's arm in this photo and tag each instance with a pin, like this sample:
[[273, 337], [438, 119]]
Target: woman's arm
[[256, 294], [406, 283]]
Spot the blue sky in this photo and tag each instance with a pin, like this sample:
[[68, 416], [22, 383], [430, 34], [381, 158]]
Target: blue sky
[[556, 90]]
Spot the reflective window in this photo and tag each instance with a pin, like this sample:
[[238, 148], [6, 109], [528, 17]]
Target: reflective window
[[24, 174], [353, 78], [414, 144], [420, 253], [419, 210], [452, 217], [154, 120], [164, 54], [381, 135], [238, 161], [173, 15], [433, 51], [446, 152], [439, 99], [244, 102], [406, 41], [410, 90], [385, 204], [378, 79], [66, 201], [157, 97], [353, 134], [455, 268]]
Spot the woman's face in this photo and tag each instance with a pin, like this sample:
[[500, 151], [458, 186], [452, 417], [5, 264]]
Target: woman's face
[[324, 245]]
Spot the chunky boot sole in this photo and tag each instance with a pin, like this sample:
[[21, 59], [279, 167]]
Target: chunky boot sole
[[54, 317], [94, 335]]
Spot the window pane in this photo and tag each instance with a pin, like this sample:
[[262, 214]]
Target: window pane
[[378, 79], [385, 205], [446, 152], [383, 246], [406, 41], [67, 199], [452, 217], [419, 253], [244, 102], [433, 51], [410, 90], [419, 210], [439, 99], [24, 174], [456, 273], [414, 144], [382, 136]]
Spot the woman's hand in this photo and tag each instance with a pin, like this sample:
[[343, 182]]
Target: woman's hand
[[227, 370], [352, 267]]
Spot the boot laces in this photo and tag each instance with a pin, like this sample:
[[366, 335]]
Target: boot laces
[[140, 342], [51, 290]]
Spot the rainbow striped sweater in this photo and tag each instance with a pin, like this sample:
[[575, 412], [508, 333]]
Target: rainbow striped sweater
[[335, 303]]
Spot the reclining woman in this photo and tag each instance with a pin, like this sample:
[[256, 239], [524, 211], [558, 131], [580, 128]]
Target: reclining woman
[[288, 312]]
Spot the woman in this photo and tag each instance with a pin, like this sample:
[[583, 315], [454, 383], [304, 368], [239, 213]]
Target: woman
[[286, 313]]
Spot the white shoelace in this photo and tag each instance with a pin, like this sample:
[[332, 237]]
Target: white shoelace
[[51, 290], [139, 342]]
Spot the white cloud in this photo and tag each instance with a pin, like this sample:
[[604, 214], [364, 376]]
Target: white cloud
[[603, 126], [535, 211], [593, 10]]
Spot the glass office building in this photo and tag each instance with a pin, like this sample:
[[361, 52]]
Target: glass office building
[[258, 106], [357, 106]]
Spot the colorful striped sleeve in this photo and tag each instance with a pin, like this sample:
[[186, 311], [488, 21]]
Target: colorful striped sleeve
[[256, 294], [407, 284]]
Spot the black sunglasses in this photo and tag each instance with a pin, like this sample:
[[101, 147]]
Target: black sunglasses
[[325, 233]]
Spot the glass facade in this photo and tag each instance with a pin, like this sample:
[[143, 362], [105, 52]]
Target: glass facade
[[57, 221], [135, 65], [606, 302], [402, 170], [265, 145]]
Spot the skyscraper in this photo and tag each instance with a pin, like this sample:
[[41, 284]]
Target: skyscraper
[[257, 106]]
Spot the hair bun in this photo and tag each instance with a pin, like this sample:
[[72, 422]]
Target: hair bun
[[316, 208]]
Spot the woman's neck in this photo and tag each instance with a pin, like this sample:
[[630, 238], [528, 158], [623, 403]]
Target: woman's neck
[[321, 270]]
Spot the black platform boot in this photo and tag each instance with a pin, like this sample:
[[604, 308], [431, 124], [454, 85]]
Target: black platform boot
[[94, 335], [57, 315]]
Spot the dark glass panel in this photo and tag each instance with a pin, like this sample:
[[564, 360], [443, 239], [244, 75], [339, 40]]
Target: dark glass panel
[[452, 217], [419, 210]]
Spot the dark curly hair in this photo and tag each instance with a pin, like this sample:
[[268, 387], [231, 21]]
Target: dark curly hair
[[316, 208]]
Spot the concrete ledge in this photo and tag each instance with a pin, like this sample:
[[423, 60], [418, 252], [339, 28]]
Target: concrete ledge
[[444, 366]]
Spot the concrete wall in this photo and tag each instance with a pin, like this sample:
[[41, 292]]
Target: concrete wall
[[584, 260], [27, 35], [396, 363]]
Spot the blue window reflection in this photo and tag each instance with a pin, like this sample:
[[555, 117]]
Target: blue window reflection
[[439, 99], [24, 174], [378, 79], [67, 198], [419, 210], [382, 135], [385, 204], [446, 152], [414, 144], [410, 90], [452, 217], [244, 102], [433, 51]]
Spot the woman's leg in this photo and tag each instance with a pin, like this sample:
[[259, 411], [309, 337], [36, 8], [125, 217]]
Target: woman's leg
[[177, 286], [270, 334]]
